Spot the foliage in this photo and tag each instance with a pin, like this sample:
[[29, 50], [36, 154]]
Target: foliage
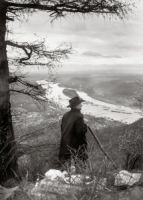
[[132, 140], [60, 8]]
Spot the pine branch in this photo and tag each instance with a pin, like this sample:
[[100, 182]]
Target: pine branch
[[36, 53], [30, 93], [58, 8], [25, 87]]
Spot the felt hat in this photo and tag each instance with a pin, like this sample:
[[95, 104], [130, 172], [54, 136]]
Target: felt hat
[[75, 101]]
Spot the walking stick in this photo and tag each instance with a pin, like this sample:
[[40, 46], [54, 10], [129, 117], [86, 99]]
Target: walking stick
[[102, 149]]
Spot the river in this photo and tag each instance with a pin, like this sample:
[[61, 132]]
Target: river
[[91, 106]]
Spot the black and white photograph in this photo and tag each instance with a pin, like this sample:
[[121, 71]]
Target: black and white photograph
[[71, 100]]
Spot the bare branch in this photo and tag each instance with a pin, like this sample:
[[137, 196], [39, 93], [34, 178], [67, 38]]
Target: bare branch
[[9, 18], [58, 8], [30, 93], [36, 53], [25, 87]]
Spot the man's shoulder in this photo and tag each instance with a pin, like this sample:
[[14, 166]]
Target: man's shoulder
[[79, 115], [66, 114], [75, 115]]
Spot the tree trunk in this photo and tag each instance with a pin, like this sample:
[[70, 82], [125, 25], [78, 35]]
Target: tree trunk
[[8, 161]]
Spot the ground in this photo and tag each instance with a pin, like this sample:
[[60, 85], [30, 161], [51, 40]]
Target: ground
[[37, 132], [37, 127]]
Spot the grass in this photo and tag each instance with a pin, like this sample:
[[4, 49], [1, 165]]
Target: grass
[[41, 154], [38, 139], [42, 146], [38, 144]]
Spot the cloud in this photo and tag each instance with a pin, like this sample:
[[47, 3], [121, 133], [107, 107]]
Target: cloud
[[99, 55], [95, 40]]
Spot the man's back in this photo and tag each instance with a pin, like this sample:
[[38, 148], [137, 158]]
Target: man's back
[[73, 131]]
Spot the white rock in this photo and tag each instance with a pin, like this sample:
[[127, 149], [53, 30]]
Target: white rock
[[54, 175], [78, 179], [63, 183], [126, 178]]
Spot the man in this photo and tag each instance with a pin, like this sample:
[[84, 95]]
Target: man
[[73, 129]]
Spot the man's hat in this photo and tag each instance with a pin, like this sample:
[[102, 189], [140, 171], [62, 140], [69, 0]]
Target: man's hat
[[75, 101]]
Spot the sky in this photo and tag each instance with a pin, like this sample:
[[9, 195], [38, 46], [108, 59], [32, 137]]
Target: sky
[[98, 43]]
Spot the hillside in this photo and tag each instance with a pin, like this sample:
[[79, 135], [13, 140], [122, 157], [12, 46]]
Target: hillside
[[37, 130], [38, 125]]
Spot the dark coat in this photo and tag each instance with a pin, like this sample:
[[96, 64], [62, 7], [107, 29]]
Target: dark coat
[[73, 138]]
